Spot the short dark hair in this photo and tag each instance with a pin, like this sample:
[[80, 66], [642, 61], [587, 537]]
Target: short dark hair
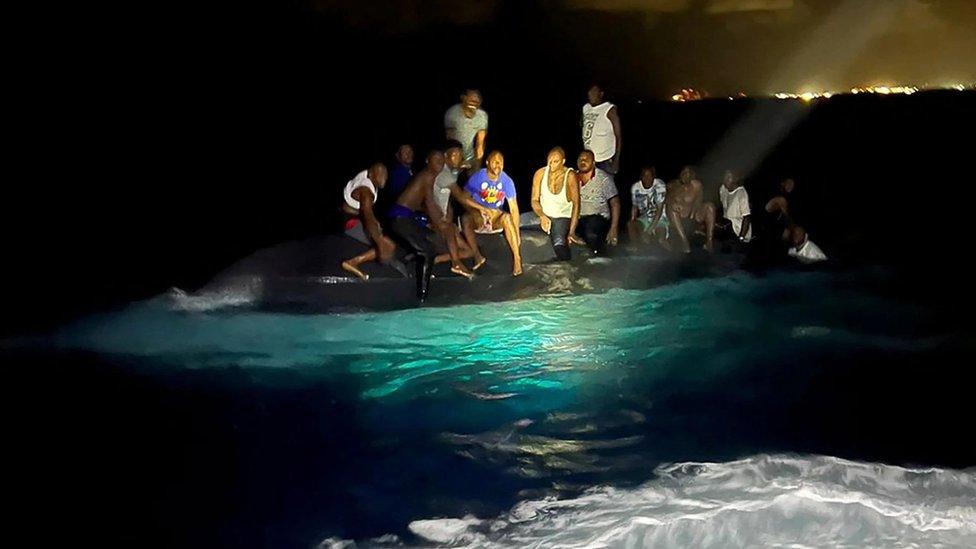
[[595, 84], [473, 90], [452, 144]]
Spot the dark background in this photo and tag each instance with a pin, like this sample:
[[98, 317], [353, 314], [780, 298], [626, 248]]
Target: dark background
[[163, 142], [160, 142]]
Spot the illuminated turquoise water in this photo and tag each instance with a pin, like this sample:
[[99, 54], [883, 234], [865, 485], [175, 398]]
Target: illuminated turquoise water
[[355, 425]]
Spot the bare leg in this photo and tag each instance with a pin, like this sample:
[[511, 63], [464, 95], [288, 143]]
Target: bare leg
[[709, 214], [352, 265], [679, 228], [512, 237], [467, 223], [662, 238]]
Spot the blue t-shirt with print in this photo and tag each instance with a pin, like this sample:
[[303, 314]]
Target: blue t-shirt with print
[[488, 193]]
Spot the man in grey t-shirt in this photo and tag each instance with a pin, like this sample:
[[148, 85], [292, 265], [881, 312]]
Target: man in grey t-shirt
[[468, 124]]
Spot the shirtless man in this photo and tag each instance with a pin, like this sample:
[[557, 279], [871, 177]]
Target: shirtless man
[[359, 198], [413, 232], [684, 203], [486, 191]]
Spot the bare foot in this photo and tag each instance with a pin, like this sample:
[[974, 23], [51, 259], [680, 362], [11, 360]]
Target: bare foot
[[479, 262], [708, 247], [517, 271], [352, 269], [460, 270]]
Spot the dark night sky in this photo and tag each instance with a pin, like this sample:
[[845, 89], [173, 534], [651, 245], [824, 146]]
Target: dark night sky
[[761, 46]]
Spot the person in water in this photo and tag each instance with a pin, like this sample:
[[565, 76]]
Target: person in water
[[467, 123], [735, 205], [802, 248], [487, 191], [601, 130], [359, 199], [782, 209], [402, 170], [684, 204], [409, 223], [556, 200], [647, 219], [599, 204], [445, 191]]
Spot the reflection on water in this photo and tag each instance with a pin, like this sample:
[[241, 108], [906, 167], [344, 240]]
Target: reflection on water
[[471, 408]]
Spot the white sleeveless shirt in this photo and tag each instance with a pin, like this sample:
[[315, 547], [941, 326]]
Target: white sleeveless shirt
[[555, 205], [359, 181], [598, 133]]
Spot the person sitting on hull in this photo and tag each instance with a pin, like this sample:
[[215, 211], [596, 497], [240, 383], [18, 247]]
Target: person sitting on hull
[[402, 170], [486, 193], [647, 220], [735, 205], [445, 191], [411, 229], [599, 204], [555, 199], [359, 199], [684, 205]]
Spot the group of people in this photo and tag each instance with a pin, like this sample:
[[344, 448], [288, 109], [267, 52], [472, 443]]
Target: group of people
[[577, 206]]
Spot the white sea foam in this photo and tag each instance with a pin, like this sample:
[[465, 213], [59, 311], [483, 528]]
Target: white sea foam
[[240, 292], [763, 501]]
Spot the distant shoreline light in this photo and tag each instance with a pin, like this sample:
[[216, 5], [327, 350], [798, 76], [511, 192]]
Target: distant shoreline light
[[691, 94]]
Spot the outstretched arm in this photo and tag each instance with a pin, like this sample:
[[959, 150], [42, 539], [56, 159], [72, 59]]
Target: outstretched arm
[[614, 220], [618, 135], [573, 190], [746, 222], [544, 221], [366, 208], [479, 148], [464, 198]]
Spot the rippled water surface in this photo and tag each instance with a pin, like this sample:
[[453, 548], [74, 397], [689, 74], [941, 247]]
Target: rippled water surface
[[551, 421]]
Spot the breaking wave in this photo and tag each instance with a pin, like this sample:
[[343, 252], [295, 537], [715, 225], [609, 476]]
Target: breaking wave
[[762, 501]]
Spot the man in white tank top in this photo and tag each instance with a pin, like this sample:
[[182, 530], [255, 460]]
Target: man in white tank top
[[601, 130], [555, 199], [359, 199]]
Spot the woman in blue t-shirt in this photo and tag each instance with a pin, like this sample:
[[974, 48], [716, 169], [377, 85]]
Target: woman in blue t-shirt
[[488, 190]]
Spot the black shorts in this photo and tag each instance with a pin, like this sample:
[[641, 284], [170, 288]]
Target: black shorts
[[415, 237]]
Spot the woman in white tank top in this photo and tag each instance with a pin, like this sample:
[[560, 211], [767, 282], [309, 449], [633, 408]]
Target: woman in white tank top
[[555, 199]]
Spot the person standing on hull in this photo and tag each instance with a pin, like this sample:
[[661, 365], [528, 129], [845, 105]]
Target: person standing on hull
[[408, 224], [601, 130], [467, 124], [359, 198], [486, 192], [555, 199], [599, 204], [647, 219], [684, 203], [735, 205]]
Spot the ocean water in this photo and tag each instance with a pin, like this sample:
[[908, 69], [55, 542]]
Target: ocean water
[[801, 409]]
